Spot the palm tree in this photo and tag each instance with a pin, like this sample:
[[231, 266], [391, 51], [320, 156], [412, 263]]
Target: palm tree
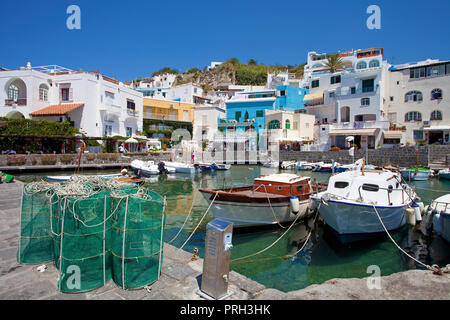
[[334, 63]]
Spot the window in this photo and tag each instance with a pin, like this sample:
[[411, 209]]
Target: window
[[299, 188], [288, 124], [365, 102], [436, 115], [417, 73], [353, 90], [195, 90], [282, 93], [238, 116], [368, 85], [108, 130], [414, 96], [374, 64], [110, 95], [43, 92], [129, 131], [413, 116], [335, 79], [259, 114], [447, 68], [13, 93], [436, 71], [274, 124], [391, 98], [66, 94], [361, 65], [370, 187], [418, 135], [436, 94], [340, 184], [315, 84], [332, 94], [131, 107]]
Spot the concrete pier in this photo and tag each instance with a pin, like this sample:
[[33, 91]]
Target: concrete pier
[[181, 277]]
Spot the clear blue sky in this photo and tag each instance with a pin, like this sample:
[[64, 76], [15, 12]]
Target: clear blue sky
[[133, 38]]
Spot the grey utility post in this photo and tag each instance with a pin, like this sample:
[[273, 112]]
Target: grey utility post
[[216, 265]]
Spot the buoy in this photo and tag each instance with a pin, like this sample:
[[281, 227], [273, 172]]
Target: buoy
[[410, 216], [417, 213], [295, 205]]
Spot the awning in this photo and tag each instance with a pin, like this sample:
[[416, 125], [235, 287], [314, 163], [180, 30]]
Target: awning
[[437, 128], [56, 110], [357, 132], [131, 140], [392, 134], [313, 96]]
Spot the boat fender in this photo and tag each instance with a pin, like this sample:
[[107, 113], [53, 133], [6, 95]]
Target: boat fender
[[295, 205], [410, 216], [417, 213], [421, 206]]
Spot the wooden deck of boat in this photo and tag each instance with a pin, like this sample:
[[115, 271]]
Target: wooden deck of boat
[[256, 194]]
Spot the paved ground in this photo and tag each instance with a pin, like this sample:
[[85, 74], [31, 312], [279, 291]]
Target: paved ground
[[181, 277]]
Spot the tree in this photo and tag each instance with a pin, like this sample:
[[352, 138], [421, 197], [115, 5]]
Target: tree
[[334, 63], [233, 61], [252, 62]]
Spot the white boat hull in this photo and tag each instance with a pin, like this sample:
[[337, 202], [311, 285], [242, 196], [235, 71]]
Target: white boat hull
[[255, 214], [348, 218]]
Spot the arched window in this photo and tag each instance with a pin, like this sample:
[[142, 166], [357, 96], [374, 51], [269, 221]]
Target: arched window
[[436, 115], [413, 116], [374, 64], [43, 92], [13, 93], [274, 124], [361, 65], [436, 94], [288, 124], [365, 102], [317, 65], [413, 96]]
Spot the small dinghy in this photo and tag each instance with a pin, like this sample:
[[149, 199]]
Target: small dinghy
[[180, 167], [149, 168], [222, 166], [70, 178]]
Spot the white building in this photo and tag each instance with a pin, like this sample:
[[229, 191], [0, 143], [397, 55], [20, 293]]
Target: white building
[[206, 118], [95, 104], [417, 99], [294, 127], [188, 93], [350, 99], [213, 65], [283, 79]]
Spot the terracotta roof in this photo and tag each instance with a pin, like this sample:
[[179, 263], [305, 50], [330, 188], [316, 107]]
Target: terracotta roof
[[56, 110]]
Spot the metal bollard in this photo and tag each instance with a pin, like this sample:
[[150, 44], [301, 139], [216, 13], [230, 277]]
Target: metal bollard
[[216, 265]]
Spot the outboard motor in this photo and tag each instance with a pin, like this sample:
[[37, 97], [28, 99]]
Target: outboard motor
[[162, 168]]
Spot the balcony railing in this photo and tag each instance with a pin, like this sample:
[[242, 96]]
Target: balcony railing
[[371, 124], [158, 116], [132, 112], [19, 102]]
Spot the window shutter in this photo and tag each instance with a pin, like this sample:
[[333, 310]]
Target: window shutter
[[70, 94]]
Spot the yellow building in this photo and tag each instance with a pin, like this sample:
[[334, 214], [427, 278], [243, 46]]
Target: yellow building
[[168, 110]]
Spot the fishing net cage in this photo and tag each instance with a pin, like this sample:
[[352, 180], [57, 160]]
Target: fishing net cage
[[94, 234]]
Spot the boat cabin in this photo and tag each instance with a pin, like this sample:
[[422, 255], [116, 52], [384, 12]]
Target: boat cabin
[[282, 184]]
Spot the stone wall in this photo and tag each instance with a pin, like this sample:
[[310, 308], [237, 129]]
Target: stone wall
[[71, 159]]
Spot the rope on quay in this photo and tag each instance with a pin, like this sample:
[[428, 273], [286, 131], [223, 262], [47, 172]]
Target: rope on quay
[[434, 268]]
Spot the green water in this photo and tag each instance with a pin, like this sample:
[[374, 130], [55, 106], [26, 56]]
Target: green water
[[323, 258]]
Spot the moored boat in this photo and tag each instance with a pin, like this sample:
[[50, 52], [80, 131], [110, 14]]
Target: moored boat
[[149, 168], [222, 166], [180, 167], [416, 174], [444, 174], [353, 198], [440, 211], [69, 178], [288, 165], [304, 165], [271, 199]]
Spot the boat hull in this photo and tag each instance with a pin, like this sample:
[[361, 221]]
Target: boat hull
[[441, 225], [444, 175], [411, 175], [251, 214], [351, 219]]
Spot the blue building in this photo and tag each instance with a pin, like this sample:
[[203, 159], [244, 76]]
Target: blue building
[[247, 109]]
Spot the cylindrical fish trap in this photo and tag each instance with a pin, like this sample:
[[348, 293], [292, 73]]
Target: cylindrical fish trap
[[83, 245], [138, 227]]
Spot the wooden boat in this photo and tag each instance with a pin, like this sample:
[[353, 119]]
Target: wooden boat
[[272, 199]]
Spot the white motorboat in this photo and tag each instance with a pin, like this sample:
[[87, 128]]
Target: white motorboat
[[271, 164], [304, 165], [416, 174], [348, 205], [440, 213], [180, 167], [288, 165], [149, 168], [272, 199], [222, 166]]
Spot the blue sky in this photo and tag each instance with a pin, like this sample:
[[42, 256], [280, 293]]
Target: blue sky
[[133, 38]]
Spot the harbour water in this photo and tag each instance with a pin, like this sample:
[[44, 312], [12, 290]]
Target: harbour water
[[323, 258]]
